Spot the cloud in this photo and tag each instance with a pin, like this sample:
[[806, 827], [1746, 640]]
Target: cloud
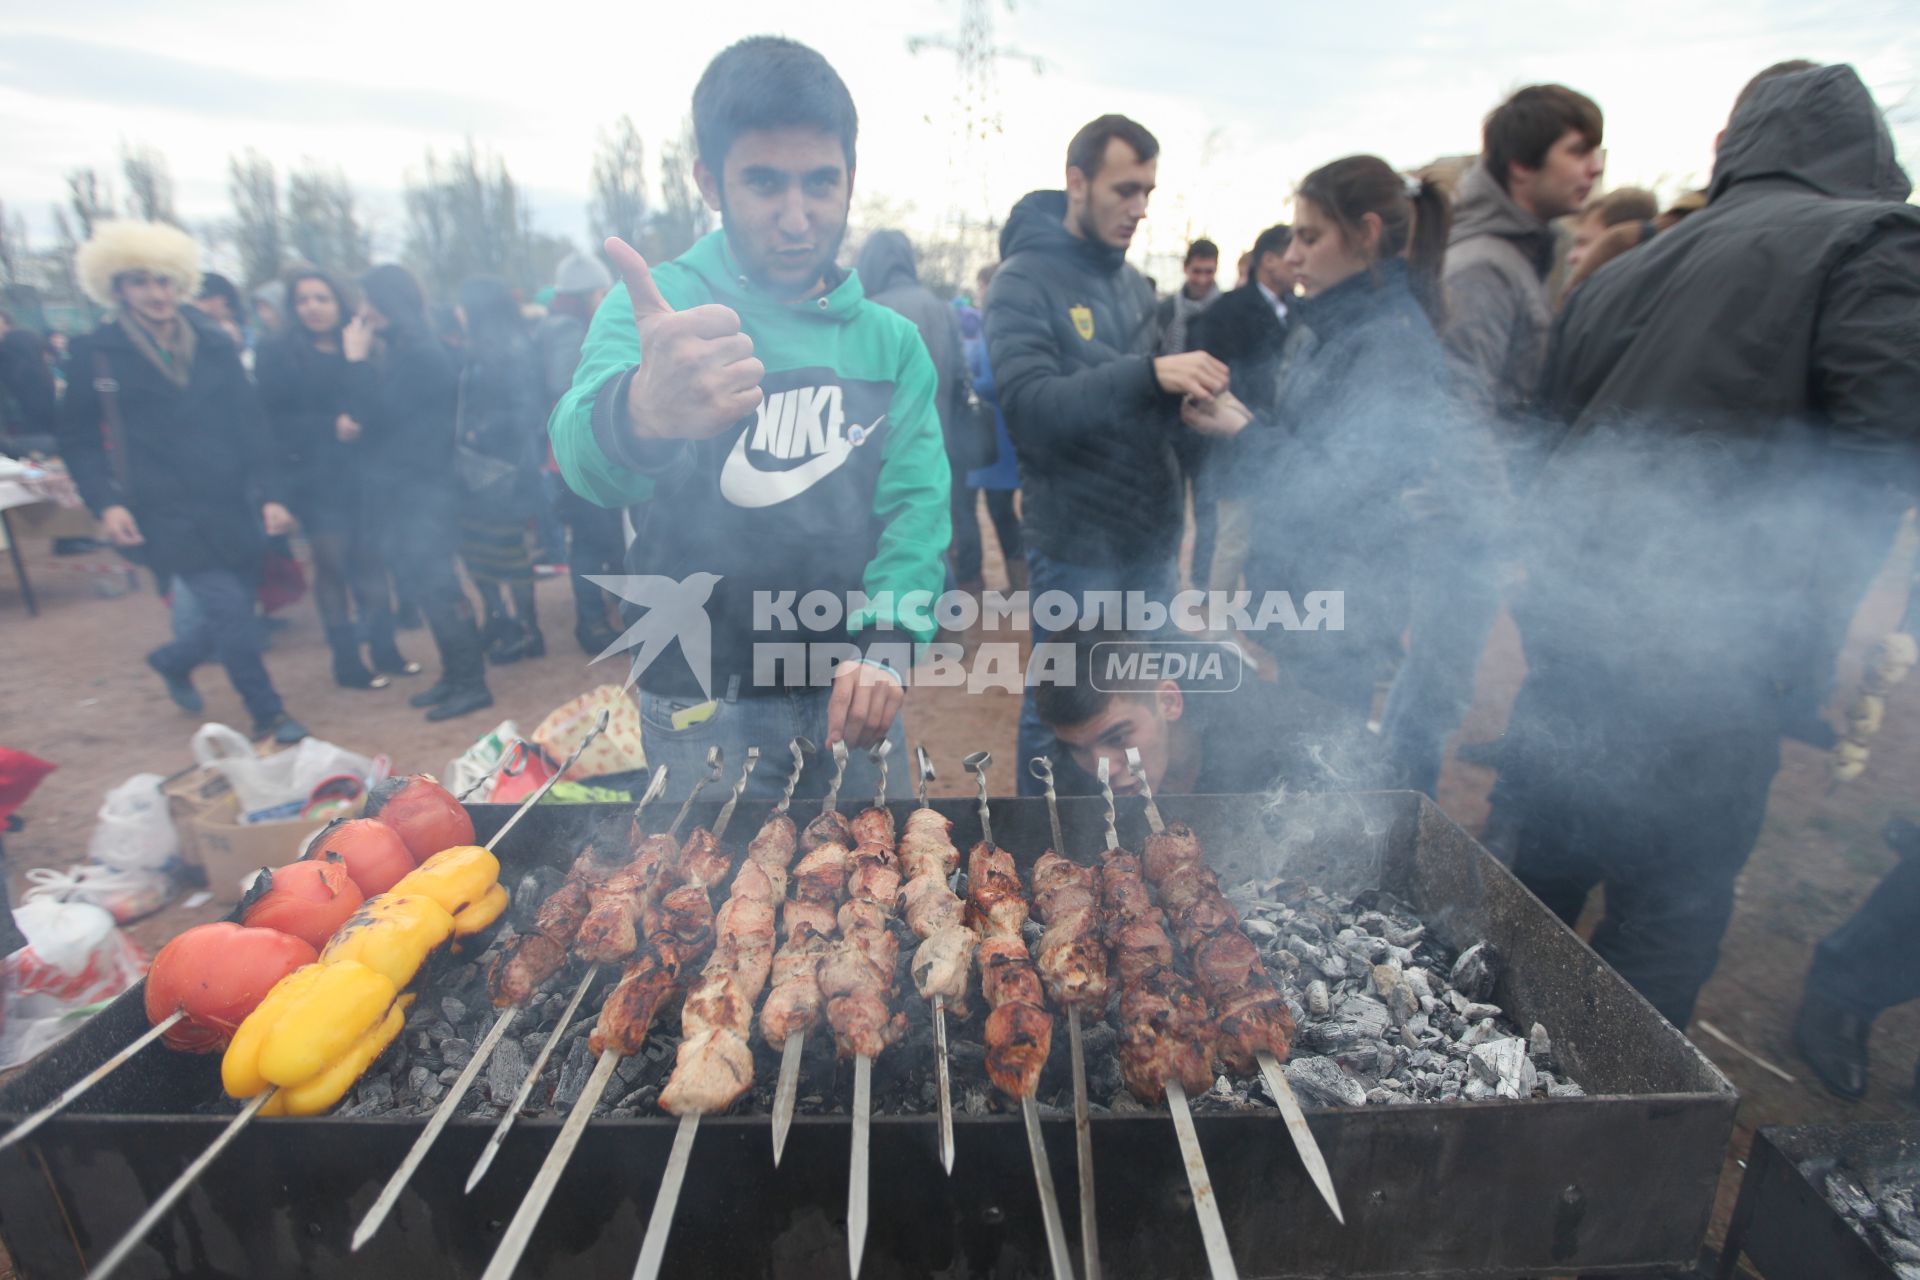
[[64, 68]]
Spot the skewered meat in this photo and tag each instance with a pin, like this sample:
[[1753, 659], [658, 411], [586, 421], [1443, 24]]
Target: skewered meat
[[856, 990], [873, 826], [926, 847], [1007, 973], [701, 861], [794, 913], [1072, 963], [772, 849], [1019, 1037], [610, 931], [794, 1002], [940, 965], [1250, 1014], [712, 1070], [931, 906], [1123, 894], [822, 873], [1165, 1034], [875, 876], [679, 929], [829, 828], [531, 958], [1138, 949], [995, 904]]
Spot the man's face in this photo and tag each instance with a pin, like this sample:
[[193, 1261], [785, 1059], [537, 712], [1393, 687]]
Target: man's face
[[1200, 274], [1274, 273], [1112, 204], [783, 196], [1142, 721], [1585, 232], [1564, 179], [215, 308], [154, 298]]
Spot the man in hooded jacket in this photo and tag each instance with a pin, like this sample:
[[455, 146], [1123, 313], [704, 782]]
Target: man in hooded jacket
[[1093, 413], [1729, 393]]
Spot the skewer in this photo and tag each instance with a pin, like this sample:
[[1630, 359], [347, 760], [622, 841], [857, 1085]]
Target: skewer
[[167, 1198], [978, 763], [943, 1075], [1283, 1097], [507, 1118], [789, 1085], [1041, 767], [1206, 1209], [513, 1242], [390, 1194], [858, 1167], [107, 1068], [654, 1247]]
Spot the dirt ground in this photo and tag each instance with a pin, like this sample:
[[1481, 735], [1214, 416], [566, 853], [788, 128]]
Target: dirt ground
[[78, 694]]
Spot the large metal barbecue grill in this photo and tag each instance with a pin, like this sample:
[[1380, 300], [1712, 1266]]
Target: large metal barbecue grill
[[1618, 1180]]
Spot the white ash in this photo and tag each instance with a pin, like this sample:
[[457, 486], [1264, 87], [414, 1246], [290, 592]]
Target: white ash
[[1882, 1205]]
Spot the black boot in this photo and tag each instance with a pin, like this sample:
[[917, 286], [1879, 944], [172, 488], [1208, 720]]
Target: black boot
[[594, 640], [435, 694], [349, 672], [502, 639], [526, 609], [463, 700], [1834, 1043]]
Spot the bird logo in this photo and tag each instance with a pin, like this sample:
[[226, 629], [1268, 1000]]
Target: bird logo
[[676, 609]]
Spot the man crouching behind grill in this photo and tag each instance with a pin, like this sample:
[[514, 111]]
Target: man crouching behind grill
[[1202, 729], [772, 433]]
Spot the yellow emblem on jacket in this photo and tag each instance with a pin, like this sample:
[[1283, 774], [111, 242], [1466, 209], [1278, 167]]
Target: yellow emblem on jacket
[[1082, 322]]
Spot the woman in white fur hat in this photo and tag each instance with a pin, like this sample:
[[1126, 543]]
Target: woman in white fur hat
[[166, 441]]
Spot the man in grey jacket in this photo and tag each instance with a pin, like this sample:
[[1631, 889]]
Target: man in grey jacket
[[1539, 159], [1729, 399]]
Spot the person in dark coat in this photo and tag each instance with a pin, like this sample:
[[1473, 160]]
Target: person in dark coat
[[500, 446], [302, 377], [402, 389], [596, 542], [27, 412], [1358, 425], [888, 274], [1247, 329], [1732, 393], [165, 439], [1092, 412]]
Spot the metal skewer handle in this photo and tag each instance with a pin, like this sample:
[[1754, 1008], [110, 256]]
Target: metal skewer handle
[[714, 758], [925, 771], [977, 764], [599, 727], [832, 801], [801, 749], [878, 753], [1106, 794]]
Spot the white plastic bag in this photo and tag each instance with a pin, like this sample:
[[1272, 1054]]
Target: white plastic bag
[[285, 778], [475, 766], [135, 829], [75, 957]]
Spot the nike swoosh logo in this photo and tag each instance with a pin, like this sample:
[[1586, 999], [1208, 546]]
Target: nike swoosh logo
[[745, 485]]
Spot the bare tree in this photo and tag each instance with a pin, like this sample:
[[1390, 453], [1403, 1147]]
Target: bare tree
[[322, 224], [257, 227], [149, 184], [91, 201], [684, 216], [15, 252], [619, 205], [466, 217]]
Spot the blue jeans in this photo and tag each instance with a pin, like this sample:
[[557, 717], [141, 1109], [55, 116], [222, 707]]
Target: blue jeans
[[1455, 596], [768, 721], [1158, 581], [220, 623]]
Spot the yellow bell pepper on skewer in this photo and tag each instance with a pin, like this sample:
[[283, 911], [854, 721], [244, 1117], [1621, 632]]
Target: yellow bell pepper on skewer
[[331, 1085], [392, 934]]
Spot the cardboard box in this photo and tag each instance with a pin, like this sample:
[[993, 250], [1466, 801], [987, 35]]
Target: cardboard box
[[231, 852], [190, 794]]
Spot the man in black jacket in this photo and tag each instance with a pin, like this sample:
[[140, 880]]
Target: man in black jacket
[[189, 478], [1247, 329], [1092, 412], [1732, 392]]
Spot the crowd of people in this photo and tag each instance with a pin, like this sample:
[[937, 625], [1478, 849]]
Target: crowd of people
[[1437, 394]]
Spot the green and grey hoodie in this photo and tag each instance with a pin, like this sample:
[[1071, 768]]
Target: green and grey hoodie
[[838, 482]]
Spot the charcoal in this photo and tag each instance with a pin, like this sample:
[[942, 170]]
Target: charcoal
[[506, 1070], [456, 1052], [531, 1043], [631, 1069], [1477, 971], [1357, 1018], [573, 1075], [1565, 1089], [448, 1075], [453, 1008], [1323, 1082], [1901, 1248], [1317, 1002], [1477, 1012], [439, 1029], [1539, 1044], [1504, 1064], [1846, 1195], [1479, 1033], [1261, 929]]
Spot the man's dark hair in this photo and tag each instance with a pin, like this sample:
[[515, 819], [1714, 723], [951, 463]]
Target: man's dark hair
[[1274, 239], [1792, 66], [1524, 128], [1077, 701], [1088, 150], [769, 82], [1625, 204], [213, 285], [1201, 248]]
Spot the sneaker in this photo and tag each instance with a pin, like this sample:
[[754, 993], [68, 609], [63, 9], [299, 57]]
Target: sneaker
[[283, 729], [128, 893], [179, 688]]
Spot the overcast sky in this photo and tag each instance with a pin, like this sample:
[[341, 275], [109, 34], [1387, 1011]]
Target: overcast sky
[[1245, 96]]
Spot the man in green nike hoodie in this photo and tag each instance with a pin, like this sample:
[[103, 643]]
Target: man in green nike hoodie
[[773, 437]]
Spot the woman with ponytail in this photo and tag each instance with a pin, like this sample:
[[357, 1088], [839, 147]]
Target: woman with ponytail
[[1358, 434]]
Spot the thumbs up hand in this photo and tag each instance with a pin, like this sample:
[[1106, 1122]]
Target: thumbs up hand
[[698, 375]]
